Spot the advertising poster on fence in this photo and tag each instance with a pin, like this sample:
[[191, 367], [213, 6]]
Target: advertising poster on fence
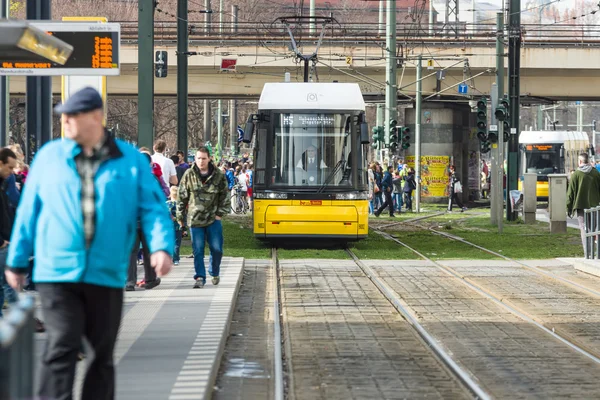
[[434, 175]]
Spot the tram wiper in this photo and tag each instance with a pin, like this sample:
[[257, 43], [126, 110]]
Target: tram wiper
[[331, 175]]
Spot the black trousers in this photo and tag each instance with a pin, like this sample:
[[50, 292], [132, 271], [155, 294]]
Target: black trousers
[[455, 197], [73, 310], [149, 273], [387, 203]]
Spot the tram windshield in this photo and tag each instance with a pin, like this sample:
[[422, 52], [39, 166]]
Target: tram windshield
[[312, 149], [542, 159]]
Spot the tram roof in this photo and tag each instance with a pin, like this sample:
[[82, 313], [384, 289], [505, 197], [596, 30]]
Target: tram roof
[[532, 137], [311, 96]]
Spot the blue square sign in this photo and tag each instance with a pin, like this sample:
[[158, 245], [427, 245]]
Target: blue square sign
[[462, 88]]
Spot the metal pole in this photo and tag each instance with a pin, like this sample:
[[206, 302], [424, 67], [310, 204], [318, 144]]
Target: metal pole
[[514, 66], [579, 116], [418, 134], [234, 18], [207, 17], [220, 127], [500, 92], [312, 15], [381, 26], [4, 90], [540, 119], [145, 73], [39, 93], [207, 121], [182, 75], [312, 25], [494, 153], [221, 13], [233, 126], [391, 89]]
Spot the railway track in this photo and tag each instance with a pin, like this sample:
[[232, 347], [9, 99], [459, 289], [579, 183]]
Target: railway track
[[561, 334], [419, 344], [533, 344]]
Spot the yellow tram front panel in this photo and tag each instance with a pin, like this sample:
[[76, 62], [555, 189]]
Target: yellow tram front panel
[[302, 218], [541, 189]]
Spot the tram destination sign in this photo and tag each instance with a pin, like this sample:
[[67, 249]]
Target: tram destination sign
[[96, 48]]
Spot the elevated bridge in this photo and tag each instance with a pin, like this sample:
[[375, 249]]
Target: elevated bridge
[[557, 62]]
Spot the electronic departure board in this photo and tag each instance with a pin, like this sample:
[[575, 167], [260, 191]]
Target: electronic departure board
[[95, 51]]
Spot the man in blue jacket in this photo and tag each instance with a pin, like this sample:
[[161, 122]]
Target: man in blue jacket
[[78, 215]]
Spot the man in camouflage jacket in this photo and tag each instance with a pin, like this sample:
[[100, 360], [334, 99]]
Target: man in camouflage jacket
[[204, 197]]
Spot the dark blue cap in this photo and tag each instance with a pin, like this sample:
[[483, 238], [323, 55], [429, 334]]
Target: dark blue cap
[[84, 100]]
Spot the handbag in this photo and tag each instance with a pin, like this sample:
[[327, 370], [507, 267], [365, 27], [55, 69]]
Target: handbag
[[458, 187], [375, 188]]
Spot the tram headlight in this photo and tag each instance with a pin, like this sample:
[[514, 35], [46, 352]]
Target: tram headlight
[[352, 196], [270, 195]]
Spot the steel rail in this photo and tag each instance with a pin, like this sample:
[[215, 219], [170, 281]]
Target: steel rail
[[437, 349], [538, 270], [500, 302], [278, 391]]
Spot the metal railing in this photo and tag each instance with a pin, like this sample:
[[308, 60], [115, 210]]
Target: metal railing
[[592, 231], [16, 351], [347, 33]]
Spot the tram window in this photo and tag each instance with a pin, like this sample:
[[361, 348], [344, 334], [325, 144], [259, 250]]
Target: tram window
[[311, 149], [542, 163]]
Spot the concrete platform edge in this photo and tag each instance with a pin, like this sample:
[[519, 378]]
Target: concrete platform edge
[[591, 267]]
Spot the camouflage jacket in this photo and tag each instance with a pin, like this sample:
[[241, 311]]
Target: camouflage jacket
[[202, 201]]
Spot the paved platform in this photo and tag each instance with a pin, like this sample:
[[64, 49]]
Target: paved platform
[[172, 337]]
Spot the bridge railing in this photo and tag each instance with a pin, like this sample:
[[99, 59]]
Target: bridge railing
[[17, 350], [481, 34]]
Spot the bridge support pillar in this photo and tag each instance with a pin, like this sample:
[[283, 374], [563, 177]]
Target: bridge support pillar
[[445, 139]]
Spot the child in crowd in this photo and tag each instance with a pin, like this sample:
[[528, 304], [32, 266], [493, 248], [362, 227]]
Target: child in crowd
[[172, 205]]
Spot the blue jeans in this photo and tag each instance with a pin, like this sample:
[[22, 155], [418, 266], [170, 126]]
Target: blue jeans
[[5, 289], [397, 201], [213, 234], [178, 236]]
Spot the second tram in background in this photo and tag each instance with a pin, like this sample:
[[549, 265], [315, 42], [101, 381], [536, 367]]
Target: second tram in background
[[310, 179], [550, 152]]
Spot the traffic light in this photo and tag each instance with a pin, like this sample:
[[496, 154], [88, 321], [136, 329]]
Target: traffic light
[[391, 131], [506, 124], [394, 136], [405, 137], [160, 64], [502, 110], [482, 118], [485, 146], [492, 137], [377, 136], [506, 133]]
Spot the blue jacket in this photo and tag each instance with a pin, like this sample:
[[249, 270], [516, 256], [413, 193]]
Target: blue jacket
[[11, 190], [230, 178], [49, 221], [386, 182]]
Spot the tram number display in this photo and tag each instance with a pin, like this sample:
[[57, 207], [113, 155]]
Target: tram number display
[[539, 147]]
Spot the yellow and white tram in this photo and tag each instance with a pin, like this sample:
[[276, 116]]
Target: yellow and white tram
[[310, 177], [550, 152]]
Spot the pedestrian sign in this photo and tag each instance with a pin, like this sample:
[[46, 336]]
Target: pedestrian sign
[[462, 88]]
